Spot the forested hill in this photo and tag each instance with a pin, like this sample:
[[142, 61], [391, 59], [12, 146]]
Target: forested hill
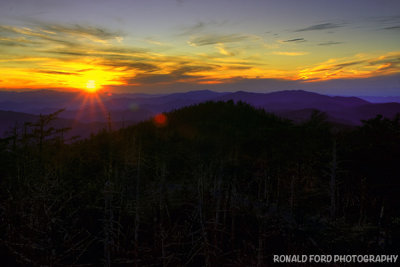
[[214, 184]]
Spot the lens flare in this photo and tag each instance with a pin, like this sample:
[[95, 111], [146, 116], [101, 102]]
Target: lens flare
[[160, 120]]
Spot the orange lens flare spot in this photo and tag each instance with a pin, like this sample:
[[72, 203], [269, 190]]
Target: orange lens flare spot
[[160, 120]]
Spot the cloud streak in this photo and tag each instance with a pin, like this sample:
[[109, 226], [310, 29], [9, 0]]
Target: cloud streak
[[396, 27], [95, 34], [296, 40], [329, 43], [211, 39], [186, 73], [67, 35], [56, 72], [359, 66], [386, 22], [200, 26], [320, 27]]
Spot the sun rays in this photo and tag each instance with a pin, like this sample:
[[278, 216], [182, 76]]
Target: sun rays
[[90, 108]]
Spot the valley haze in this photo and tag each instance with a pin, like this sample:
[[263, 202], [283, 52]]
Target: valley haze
[[89, 116]]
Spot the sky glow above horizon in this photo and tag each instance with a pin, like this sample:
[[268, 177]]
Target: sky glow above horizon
[[169, 45]]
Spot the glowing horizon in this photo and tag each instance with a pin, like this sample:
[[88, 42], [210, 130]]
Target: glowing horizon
[[63, 51]]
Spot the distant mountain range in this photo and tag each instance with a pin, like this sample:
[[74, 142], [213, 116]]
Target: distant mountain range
[[86, 115], [381, 99]]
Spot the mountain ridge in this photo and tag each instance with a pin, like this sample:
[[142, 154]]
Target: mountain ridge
[[124, 109]]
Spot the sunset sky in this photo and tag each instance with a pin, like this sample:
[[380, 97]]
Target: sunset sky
[[156, 46]]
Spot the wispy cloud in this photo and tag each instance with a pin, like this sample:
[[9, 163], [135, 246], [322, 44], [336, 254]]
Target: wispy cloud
[[330, 43], [296, 40], [154, 42], [15, 42], [386, 22], [94, 33], [55, 72], [131, 65], [346, 64], [67, 35], [290, 53], [187, 73], [396, 27], [193, 29], [390, 63], [319, 27], [210, 39], [359, 66], [222, 49], [200, 26]]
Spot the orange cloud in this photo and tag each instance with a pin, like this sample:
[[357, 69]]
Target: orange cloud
[[359, 66]]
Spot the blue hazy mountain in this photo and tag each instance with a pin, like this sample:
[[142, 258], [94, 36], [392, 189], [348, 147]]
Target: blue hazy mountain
[[125, 109]]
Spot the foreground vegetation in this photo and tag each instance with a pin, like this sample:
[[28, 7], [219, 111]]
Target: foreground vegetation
[[219, 184]]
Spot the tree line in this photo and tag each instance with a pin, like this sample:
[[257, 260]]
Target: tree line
[[219, 184]]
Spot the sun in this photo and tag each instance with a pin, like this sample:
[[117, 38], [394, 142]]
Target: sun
[[91, 86]]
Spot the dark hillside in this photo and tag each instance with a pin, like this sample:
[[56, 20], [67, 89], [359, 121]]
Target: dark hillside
[[213, 184]]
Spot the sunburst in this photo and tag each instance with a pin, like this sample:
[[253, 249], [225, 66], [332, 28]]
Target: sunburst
[[91, 86]]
